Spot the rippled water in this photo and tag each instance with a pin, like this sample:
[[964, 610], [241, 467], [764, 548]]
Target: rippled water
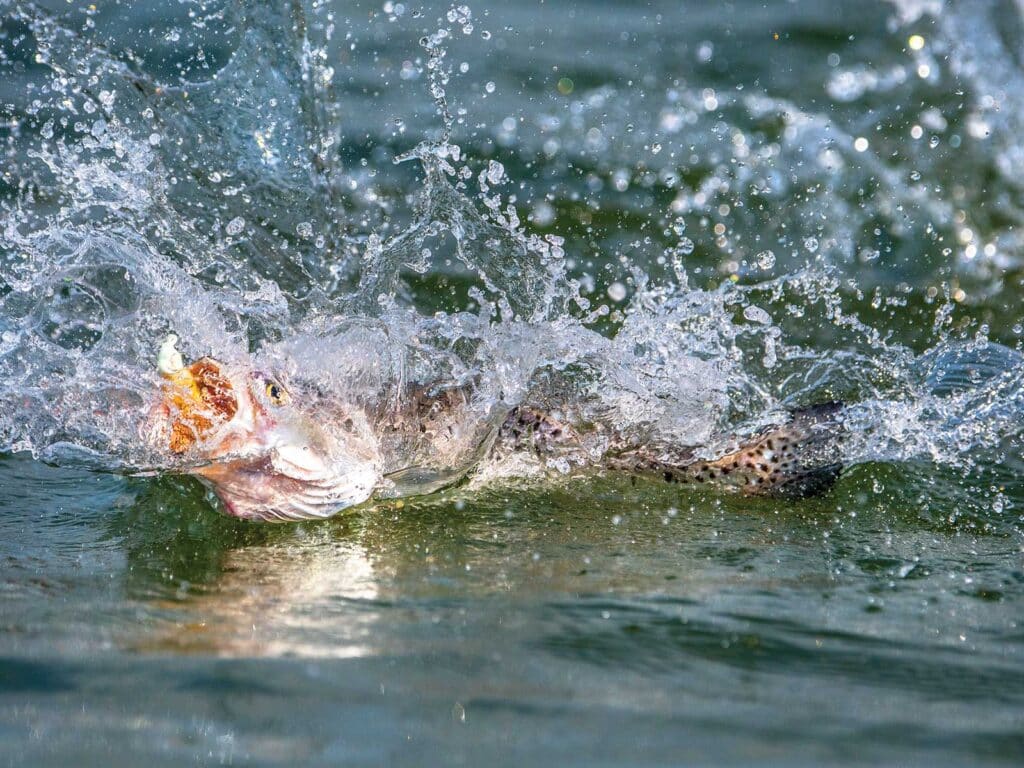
[[688, 218]]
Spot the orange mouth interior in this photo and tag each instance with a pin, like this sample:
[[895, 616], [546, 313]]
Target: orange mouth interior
[[200, 397]]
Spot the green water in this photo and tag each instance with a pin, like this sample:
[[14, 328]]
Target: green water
[[596, 621], [585, 625]]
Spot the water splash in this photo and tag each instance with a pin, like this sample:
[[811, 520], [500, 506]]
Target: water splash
[[215, 203]]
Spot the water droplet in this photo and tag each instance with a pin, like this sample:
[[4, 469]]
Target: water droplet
[[543, 214], [756, 315], [765, 260], [616, 291], [490, 86], [811, 244], [495, 173], [235, 226]]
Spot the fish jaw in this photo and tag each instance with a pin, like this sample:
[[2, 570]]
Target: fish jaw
[[257, 489], [284, 466]]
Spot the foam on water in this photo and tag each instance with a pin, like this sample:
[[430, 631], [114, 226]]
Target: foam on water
[[215, 205]]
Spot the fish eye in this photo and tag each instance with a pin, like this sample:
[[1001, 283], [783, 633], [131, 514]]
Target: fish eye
[[278, 395]]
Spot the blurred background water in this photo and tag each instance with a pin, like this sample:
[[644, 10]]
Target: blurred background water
[[870, 152]]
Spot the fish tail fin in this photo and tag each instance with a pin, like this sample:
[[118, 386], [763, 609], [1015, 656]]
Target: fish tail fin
[[795, 460]]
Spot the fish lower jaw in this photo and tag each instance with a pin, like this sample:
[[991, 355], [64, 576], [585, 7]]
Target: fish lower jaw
[[293, 508], [255, 491]]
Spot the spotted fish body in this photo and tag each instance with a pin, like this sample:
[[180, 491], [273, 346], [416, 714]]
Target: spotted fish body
[[799, 458]]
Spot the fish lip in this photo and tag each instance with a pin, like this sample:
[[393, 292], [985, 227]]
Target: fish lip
[[230, 507]]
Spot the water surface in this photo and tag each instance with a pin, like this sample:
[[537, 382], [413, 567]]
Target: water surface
[[593, 621]]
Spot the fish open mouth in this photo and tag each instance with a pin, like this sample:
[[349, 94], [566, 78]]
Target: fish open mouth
[[197, 399], [263, 459]]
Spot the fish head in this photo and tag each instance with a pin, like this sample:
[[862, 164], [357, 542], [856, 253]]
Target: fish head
[[267, 453]]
